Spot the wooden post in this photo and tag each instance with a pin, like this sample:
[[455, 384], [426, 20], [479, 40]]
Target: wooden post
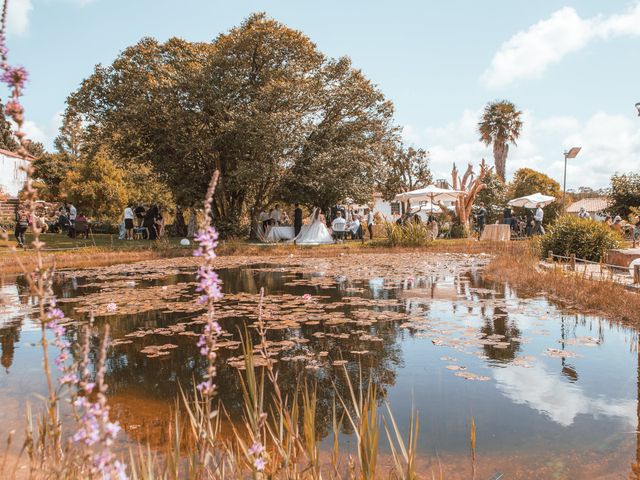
[[573, 262], [550, 256], [636, 274]]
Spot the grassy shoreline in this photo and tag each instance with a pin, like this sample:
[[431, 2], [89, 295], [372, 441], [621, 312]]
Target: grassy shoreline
[[513, 262], [103, 250], [599, 297]]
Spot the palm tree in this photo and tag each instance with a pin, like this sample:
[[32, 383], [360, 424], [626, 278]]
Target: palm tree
[[500, 125]]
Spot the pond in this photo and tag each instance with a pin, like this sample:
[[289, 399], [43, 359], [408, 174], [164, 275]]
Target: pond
[[551, 390]]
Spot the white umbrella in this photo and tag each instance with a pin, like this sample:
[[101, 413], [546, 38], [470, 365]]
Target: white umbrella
[[428, 207], [532, 201], [431, 194]]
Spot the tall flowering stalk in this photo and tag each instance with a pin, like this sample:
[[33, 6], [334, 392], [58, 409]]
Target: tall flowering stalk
[[209, 287], [96, 433], [210, 292]]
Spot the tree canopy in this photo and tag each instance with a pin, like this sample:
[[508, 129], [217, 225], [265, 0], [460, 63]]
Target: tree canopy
[[407, 169], [494, 196], [7, 138], [527, 181], [500, 125], [261, 104], [624, 193]]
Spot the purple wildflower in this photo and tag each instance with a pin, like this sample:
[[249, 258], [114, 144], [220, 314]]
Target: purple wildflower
[[208, 240], [15, 76], [209, 284], [13, 108], [256, 449], [260, 463]]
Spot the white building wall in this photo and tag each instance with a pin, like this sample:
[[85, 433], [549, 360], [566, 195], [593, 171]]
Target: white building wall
[[12, 178]]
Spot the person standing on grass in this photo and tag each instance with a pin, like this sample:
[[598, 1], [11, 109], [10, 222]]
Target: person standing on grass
[[73, 213], [140, 212], [537, 218], [128, 222], [297, 220], [481, 217], [370, 223], [22, 224]]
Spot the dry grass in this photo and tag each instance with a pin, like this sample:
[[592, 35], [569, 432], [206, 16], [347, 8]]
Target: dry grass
[[104, 255], [521, 270], [84, 258]]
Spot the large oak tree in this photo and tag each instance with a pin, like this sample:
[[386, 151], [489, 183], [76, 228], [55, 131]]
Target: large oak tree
[[261, 104]]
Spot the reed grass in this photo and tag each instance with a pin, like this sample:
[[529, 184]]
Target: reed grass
[[521, 269]]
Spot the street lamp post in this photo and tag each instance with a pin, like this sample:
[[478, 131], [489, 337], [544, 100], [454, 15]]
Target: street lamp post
[[572, 153]]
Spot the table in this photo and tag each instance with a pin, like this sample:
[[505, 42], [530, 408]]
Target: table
[[275, 234], [496, 233]]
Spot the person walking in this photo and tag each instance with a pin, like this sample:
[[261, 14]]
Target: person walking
[[297, 220], [370, 223], [128, 222], [537, 218], [22, 224]]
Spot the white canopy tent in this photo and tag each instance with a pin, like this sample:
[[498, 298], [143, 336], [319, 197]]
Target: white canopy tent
[[532, 201]]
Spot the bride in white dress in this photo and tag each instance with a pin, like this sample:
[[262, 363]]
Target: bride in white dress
[[315, 231]]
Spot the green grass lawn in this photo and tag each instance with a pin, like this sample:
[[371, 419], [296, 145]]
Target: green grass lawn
[[58, 241]]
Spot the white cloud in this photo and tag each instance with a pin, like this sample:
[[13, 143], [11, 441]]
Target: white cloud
[[529, 53], [43, 133], [20, 10], [558, 400], [18, 16], [609, 143], [34, 132]]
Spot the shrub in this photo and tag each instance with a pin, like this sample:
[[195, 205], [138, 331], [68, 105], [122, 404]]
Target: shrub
[[586, 238], [408, 235], [458, 231]]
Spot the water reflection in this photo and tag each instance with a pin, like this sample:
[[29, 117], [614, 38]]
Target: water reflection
[[438, 325], [543, 390]]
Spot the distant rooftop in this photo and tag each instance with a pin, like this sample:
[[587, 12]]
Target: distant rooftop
[[591, 205]]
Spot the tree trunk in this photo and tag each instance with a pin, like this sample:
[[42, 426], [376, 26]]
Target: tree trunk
[[500, 152], [472, 186], [193, 223]]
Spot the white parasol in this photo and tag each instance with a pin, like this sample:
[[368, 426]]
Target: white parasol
[[532, 201]]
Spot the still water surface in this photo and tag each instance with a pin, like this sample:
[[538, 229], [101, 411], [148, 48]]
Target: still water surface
[[551, 390]]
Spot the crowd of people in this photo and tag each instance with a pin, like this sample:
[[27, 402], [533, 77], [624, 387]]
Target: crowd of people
[[65, 218], [137, 222], [148, 222], [339, 223]]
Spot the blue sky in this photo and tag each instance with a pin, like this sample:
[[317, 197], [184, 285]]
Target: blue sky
[[571, 66]]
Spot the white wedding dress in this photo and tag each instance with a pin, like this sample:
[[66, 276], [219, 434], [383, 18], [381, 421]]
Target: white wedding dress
[[314, 232]]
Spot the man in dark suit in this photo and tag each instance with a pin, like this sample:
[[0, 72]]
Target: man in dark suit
[[297, 220]]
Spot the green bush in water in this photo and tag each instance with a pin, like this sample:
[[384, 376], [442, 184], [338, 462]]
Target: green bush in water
[[586, 238], [408, 235]]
